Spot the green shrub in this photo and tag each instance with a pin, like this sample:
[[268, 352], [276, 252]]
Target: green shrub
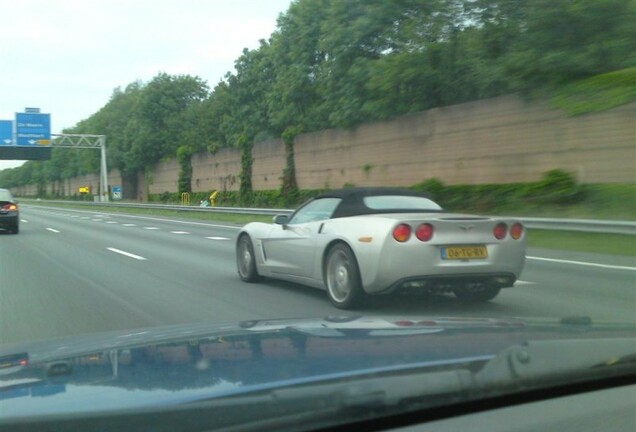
[[597, 93], [184, 158], [556, 187], [433, 187], [557, 193]]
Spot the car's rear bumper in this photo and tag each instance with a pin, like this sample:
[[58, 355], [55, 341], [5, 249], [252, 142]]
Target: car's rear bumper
[[398, 264], [447, 283], [9, 220]]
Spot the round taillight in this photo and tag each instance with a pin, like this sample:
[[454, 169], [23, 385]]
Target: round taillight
[[500, 230], [402, 232], [404, 323], [516, 231], [426, 323], [424, 232]]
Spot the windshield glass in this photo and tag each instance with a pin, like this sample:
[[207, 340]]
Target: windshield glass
[[316, 210], [208, 199]]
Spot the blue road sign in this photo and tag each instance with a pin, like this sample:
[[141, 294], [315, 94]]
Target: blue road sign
[[6, 132], [33, 129], [116, 192]]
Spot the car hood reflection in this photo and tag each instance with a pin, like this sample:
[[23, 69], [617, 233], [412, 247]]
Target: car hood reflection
[[179, 364]]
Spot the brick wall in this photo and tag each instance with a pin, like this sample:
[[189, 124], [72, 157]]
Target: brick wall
[[216, 172], [499, 140]]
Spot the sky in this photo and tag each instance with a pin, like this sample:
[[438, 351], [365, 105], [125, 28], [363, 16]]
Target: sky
[[67, 56]]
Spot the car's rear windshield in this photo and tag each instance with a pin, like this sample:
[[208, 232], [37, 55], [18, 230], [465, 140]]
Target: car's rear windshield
[[5, 195], [400, 202]]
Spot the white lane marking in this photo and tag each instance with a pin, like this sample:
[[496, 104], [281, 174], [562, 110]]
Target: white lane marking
[[84, 217], [218, 238], [520, 282], [111, 222], [97, 220], [132, 334], [179, 232], [74, 216], [53, 230], [129, 224], [582, 263], [24, 221], [128, 254], [163, 220], [151, 228], [181, 222]]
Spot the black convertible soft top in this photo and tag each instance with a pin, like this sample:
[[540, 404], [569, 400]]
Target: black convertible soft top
[[353, 200]]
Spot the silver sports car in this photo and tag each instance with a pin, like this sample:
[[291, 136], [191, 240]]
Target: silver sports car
[[363, 241]]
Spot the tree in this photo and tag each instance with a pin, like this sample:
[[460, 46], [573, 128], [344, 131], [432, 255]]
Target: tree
[[157, 116], [294, 99], [245, 117], [563, 41]]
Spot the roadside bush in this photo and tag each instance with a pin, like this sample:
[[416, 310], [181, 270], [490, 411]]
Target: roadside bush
[[556, 187], [165, 197], [432, 187]]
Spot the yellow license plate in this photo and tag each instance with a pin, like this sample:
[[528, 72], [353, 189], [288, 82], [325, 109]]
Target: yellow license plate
[[464, 252]]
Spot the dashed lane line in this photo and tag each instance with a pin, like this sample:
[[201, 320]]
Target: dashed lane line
[[582, 263], [128, 254], [521, 282]]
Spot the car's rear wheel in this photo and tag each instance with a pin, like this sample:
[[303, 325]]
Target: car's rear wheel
[[342, 277], [245, 259], [16, 229], [477, 292]]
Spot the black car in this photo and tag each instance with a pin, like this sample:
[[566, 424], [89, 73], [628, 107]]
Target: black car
[[9, 213]]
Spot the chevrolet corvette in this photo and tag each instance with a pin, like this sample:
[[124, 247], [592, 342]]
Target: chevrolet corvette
[[370, 241]]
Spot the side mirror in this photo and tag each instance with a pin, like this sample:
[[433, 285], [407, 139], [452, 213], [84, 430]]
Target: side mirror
[[281, 219]]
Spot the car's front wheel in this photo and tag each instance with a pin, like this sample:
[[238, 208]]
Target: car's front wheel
[[342, 277], [245, 259], [477, 292]]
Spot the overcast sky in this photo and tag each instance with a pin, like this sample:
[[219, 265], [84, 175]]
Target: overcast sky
[[67, 56]]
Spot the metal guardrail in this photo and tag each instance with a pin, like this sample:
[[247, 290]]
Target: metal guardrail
[[581, 225]]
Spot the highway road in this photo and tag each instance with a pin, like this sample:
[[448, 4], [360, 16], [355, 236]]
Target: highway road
[[71, 272]]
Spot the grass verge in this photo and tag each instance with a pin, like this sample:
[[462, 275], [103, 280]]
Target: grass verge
[[605, 244]]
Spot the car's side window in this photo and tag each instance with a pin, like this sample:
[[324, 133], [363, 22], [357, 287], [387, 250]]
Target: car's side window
[[317, 210]]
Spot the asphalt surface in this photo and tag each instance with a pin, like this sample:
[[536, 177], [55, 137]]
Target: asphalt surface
[[72, 272]]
